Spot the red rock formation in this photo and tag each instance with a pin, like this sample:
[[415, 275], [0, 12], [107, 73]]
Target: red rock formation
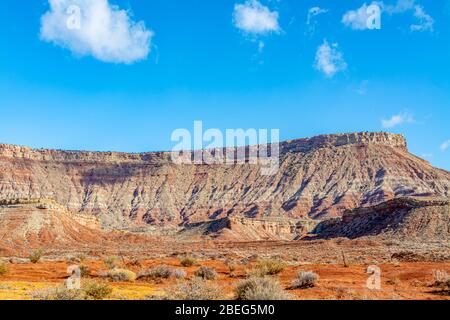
[[318, 177]]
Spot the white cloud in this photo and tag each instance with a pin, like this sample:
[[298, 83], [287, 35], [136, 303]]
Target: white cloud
[[397, 119], [400, 6], [445, 145], [311, 18], [329, 60], [105, 31], [254, 18], [356, 19], [426, 22], [314, 11]]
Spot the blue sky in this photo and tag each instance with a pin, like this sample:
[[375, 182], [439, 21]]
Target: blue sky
[[231, 64]]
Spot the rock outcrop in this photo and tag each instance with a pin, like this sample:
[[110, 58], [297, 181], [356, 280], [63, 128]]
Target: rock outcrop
[[401, 218], [249, 229], [317, 178]]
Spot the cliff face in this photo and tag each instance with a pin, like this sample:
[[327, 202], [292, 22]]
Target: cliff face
[[401, 218], [318, 177]]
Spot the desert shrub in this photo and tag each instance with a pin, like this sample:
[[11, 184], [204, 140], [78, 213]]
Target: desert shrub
[[231, 266], [188, 262], [96, 290], [266, 267], [36, 255], [158, 272], [84, 271], [121, 275], [206, 273], [195, 289], [179, 274], [305, 279], [256, 288], [393, 281], [134, 262], [3, 267], [441, 279], [161, 272], [111, 262], [58, 293]]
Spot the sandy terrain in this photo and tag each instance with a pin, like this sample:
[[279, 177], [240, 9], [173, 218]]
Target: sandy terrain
[[398, 281]]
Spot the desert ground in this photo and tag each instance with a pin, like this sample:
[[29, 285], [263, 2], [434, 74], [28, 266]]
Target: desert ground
[[341, 267]]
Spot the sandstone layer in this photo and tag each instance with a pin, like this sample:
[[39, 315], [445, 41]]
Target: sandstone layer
[[318, 178], [410, 218]]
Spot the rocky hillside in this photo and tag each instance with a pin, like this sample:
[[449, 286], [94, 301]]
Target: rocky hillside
[[318, 177], [401, 218]]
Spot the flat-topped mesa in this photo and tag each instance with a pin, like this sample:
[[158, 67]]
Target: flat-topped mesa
[[337, 140], [297, 145]]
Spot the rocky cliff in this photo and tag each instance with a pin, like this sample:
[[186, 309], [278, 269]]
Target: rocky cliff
[[400, 218], [318, 177]]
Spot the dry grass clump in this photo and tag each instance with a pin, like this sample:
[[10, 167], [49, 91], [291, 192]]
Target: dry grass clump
[[206, 273], [3, 267], [58, 293], [393, 281], [305, 279], [135, 262], [90, 290], [121, 275], [84, 271], [96, 290], [179, 274], [111, 262], [195, 289], [442, 281], [267, 267], [158, 272], [36, 255], [232, 266], [188, 262], [256, 288], [161, 272]]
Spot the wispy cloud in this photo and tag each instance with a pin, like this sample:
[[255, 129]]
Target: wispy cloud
[[445, 145], [103, 30], [362, 88], [426, 22], [253, 18], [400, 6], [357, 19], [311, 18], [329, 60], [396, 120]]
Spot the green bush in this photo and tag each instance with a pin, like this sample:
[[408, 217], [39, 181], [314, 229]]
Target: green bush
[[206, 273], [260, 289]]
